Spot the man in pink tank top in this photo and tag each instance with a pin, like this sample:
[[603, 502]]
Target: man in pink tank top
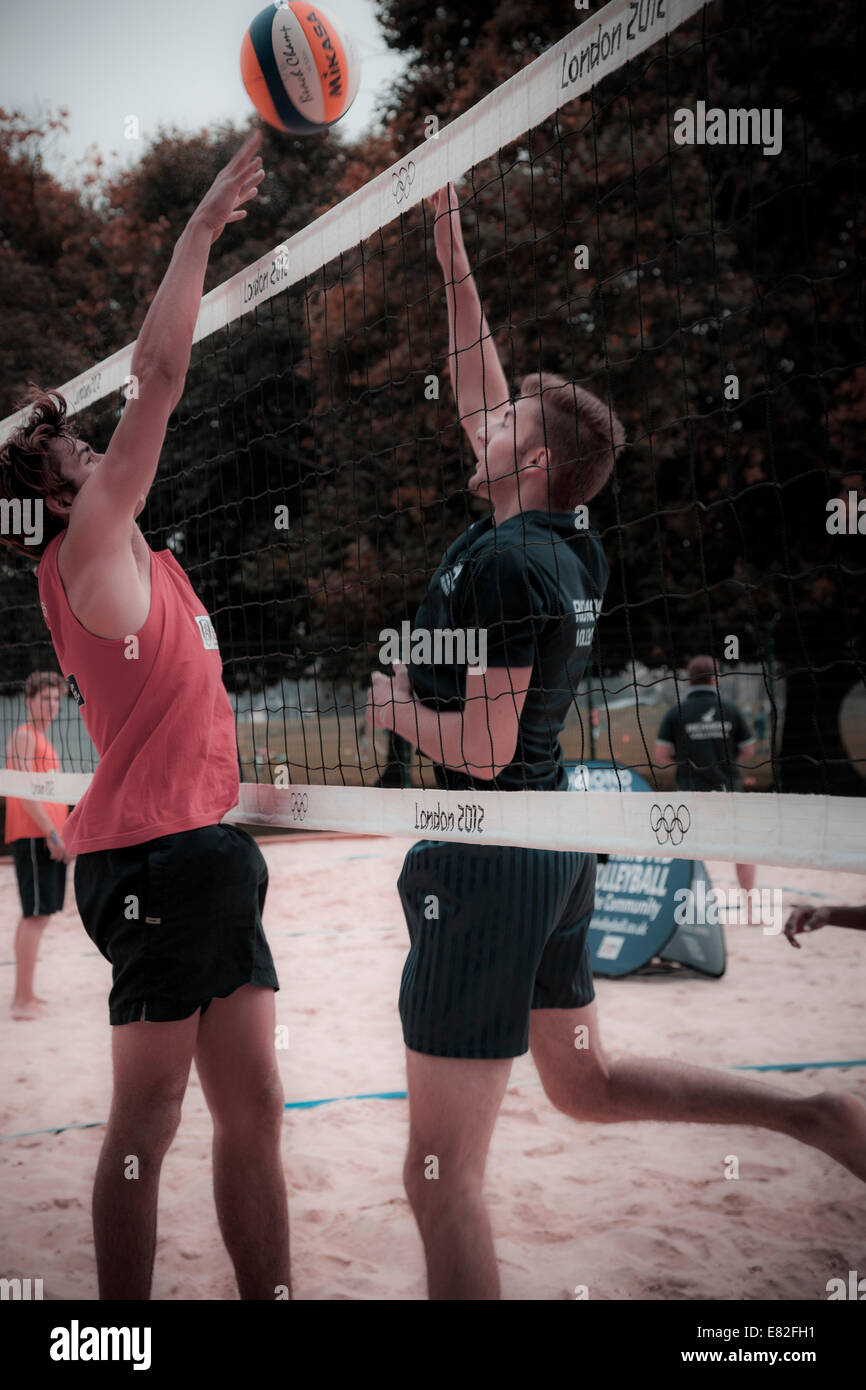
[[171, 896], [34, 829]]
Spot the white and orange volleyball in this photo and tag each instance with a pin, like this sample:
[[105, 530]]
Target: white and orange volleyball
[[300, 67]]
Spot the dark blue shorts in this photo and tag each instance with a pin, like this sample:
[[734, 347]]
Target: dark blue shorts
[[180, 920], [41, 879], [495, 932]]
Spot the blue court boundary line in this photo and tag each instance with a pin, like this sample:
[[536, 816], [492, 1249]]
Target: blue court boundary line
[[800, 1066], [329, 1100], [403, 1095], [61, 1129]]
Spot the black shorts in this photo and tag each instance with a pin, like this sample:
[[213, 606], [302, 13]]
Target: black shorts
[[41, 879], [180, 919], [495, 932]]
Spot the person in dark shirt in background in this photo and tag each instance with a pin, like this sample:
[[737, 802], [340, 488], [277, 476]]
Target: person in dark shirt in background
[[706, 736]]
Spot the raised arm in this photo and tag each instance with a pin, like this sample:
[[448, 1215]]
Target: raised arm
[[97, 562], [477, 376], [110, 499]]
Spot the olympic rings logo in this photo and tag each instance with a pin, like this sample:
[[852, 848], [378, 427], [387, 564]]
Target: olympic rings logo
[[299, 805], [669, 824], [402, 181]]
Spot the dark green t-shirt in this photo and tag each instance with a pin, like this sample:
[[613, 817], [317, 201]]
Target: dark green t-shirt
[[706, 732], [534, 585]]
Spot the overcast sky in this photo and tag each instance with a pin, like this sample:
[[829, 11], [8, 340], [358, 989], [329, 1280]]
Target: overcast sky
[[173, 62]]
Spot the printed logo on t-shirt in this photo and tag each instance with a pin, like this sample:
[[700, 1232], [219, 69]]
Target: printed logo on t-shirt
[[208, 636], [586, 610], [44, 613], [709, 726], [74, 690], [449, 579]]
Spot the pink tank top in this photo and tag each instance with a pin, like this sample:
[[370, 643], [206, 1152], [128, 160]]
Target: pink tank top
[[156, 709], [20, 825]]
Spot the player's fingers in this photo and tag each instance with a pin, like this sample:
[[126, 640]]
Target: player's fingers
[[242, 157], [248, 148], [247, 174]]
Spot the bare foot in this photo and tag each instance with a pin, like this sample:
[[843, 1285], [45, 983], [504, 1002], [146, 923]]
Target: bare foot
[[841, 1130], [26, 1008]]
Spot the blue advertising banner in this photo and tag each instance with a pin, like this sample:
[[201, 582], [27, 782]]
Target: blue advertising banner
[[698, 944], [639, 899]]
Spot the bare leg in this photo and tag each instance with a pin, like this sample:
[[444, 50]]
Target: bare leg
[[746, 874], [586, 1085], [27, 941], [453, 1104], [237, 1065], [151, 1067]]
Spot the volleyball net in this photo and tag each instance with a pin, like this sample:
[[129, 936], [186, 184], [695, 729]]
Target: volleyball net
[[660, 211]]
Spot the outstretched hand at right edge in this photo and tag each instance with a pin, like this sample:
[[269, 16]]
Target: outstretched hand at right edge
[[806, 918]]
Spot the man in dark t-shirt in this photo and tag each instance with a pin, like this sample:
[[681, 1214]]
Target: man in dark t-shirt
[[498, 959], [533, 585], [707, 737]]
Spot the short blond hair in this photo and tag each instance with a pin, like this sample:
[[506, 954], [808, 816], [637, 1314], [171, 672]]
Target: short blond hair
[[581, 434]]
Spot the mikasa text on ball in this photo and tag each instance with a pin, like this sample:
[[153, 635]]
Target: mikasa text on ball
[[300, 68]]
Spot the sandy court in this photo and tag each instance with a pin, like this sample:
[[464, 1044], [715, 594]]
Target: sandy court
[[631, 1211]]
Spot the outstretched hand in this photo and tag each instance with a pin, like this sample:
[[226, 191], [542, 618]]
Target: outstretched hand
[[447, 231], [805, 919], [235, 184]]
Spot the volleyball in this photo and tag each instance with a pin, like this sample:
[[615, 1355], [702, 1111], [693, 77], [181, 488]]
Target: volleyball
[[300, 67]]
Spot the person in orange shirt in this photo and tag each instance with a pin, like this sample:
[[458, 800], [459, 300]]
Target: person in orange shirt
[[34, 830]]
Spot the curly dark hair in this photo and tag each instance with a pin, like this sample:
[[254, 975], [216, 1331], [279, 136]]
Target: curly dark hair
[[27, 471]]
